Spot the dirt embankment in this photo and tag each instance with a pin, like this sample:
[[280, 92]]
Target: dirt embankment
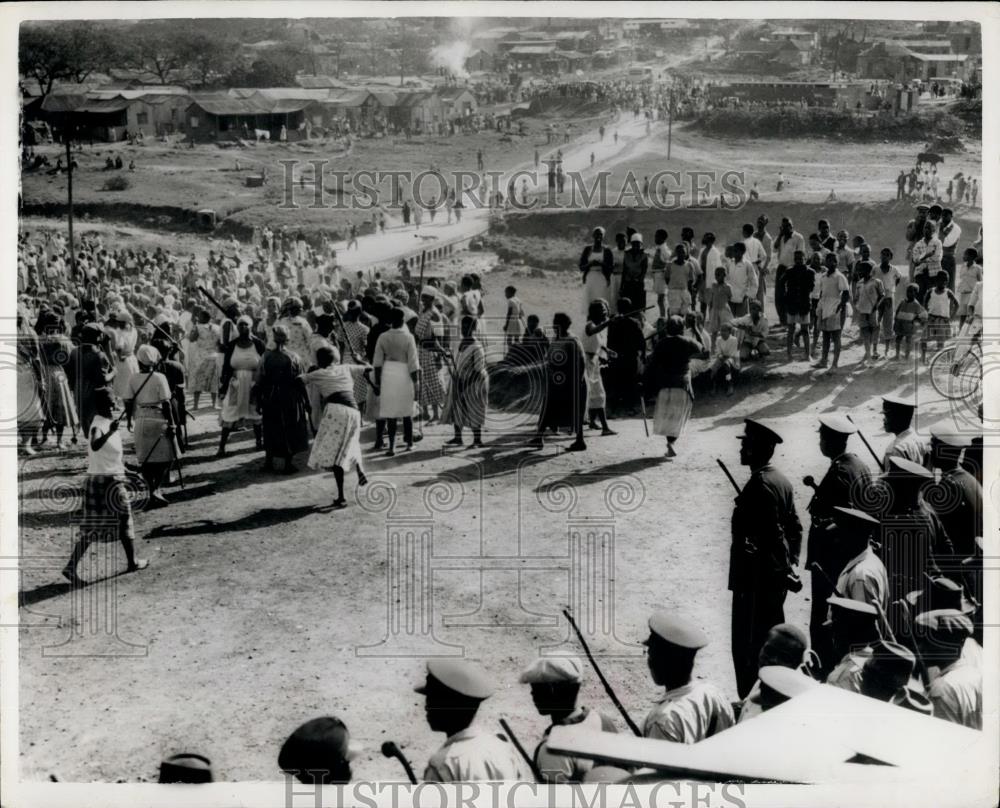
[[552, 240]]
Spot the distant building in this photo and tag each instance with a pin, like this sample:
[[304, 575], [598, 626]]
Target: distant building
[[893, 61], [212, 118], [108, 115], [479, 61], [809, 39]]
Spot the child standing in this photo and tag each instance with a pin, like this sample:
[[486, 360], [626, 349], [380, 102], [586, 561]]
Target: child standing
[[868, 296], [726, 357], [661, 257], [909, 314], [938, 303], [719, 295], [514, 325], [969, 274]]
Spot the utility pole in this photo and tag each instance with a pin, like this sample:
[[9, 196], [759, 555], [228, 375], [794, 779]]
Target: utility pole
[[68, 135], [670, 120]]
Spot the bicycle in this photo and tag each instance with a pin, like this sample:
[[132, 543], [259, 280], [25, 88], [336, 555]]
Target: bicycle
[[958, 380]]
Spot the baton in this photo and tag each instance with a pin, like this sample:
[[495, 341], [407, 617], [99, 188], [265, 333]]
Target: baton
[[868, 446], [728, 475], [213, 301], [517, 745], [607, 687]]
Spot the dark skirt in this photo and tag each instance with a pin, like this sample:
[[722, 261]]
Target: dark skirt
[[284, 421]]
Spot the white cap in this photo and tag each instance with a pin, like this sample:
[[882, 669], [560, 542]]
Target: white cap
[[553, 670]]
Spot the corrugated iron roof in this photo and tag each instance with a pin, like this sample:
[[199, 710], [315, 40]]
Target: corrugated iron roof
[[223, 105]]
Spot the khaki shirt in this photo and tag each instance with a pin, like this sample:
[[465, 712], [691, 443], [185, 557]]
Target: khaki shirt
[[865, 579], [956, 693], [475, 755], [689, 714], [559, 768], [847, 674], [907, 445]]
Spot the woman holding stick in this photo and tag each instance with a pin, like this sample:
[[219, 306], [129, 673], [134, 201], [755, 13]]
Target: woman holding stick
[[335, 418], [147, 406]]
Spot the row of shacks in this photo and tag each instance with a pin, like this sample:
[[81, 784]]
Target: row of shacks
[[290, 113]]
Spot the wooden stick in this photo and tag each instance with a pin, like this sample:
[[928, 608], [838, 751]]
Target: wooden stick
[[607, 686]]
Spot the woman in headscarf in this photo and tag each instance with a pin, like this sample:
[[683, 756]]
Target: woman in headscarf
[[668, 373], [147, 406], [202, 344], [236, 388], [595, 343], [429, 332], [298, 330], [335, 418], [635, 264], [596, 265], [31, 392], [122, 339], [469, 391], [565, 384], [282, 403], [396, 368], [56, 349]]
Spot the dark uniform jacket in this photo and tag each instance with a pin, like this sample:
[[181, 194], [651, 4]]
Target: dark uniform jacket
[[767, 534], [960, 509], [913, 543], [841, 486]]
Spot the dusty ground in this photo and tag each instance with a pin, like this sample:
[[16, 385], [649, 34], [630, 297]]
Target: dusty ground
[[259, 602], [258, 599]]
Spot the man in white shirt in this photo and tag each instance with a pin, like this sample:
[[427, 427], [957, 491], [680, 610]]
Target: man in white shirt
[[755, 253], [742, 278], [726, 357], [788, 242], [834, 293], [708, 260], [949, 233], [897, 419]]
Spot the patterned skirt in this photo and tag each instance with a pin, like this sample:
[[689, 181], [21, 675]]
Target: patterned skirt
[[337, 442], [107, 508], [431, 388], [938, 328]]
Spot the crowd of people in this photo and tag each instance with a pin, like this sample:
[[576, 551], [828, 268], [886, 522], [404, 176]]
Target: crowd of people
[[136, 336]]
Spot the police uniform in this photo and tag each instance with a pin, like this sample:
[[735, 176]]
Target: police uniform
[[955, 690], [911, 535], [767, 538], [472, 754], [554, 767], [846, 674], [693, 711], [906, 444], [863, 578], [960, 507], [841, 486]]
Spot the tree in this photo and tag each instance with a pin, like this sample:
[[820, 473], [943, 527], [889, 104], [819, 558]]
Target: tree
[[207, 56], [63, 51], [157, 48]]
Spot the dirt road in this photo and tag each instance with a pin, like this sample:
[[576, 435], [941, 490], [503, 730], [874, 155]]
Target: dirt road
[[262, 608]]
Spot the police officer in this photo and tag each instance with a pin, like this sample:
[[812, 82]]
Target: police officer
[[767, 538], [955, 681], [897, 419], [889, 676], [319, 752], [841, 486], [864, 576], [786, 646], [453, 691], [960, 504], [912, 537], [854, 631], [689, 711], [555, 686]]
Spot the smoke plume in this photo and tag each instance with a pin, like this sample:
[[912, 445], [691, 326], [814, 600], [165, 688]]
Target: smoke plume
[[452, 56]]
